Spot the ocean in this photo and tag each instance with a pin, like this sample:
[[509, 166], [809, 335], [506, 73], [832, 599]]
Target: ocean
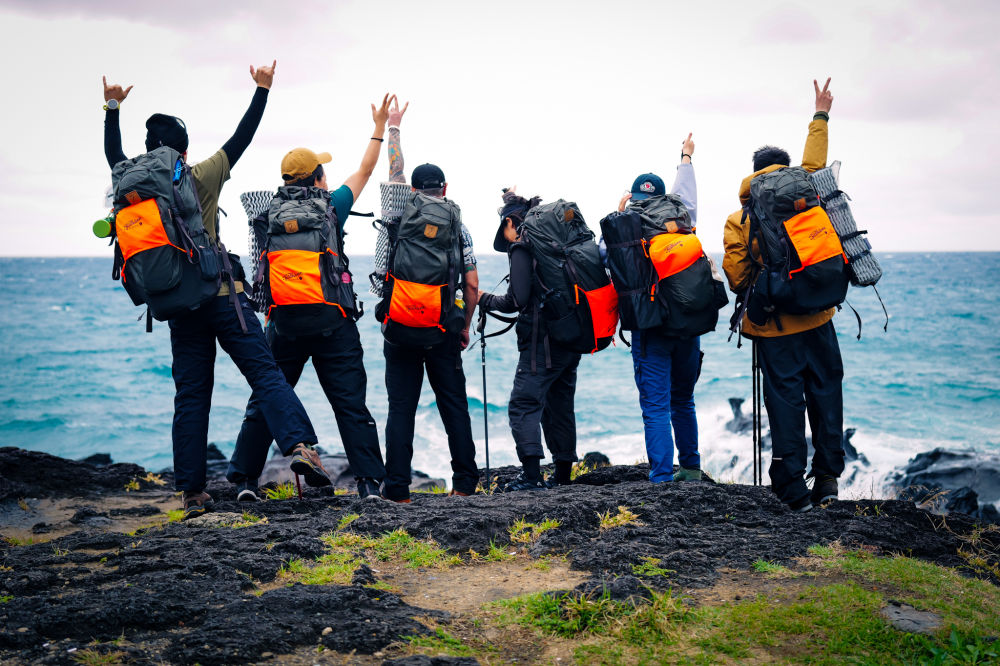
[[81, 375]]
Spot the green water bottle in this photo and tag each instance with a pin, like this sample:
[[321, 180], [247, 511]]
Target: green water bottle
[[103, 227]]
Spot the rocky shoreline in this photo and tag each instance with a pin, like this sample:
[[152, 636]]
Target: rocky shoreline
[[217, 590]]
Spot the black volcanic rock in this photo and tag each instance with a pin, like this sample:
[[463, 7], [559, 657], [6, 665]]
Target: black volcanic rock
[[36, 474]]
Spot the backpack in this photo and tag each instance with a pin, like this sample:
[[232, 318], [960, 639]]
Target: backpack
[[804, 265], [425, 270], [578, 304], [663, 277], [163, 254], [303, 279]]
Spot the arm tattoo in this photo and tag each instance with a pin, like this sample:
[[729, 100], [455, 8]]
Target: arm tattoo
[[395, 157]]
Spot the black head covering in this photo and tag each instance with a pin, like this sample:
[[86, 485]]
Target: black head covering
[[164, 130]]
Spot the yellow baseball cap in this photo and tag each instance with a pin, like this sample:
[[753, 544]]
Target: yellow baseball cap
[[301, 162]]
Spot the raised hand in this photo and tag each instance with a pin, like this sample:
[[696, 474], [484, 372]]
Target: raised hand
[[395, 115], [380, 114], [114, 91], [824, 98], [625, 199], [263, 76], [687, 148]]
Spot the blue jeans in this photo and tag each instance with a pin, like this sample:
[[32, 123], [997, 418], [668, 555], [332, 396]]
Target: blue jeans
[[192, 341], [666, 370]]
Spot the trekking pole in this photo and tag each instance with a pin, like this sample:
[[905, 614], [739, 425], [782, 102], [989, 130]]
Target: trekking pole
[[756, 415], [486, 424]]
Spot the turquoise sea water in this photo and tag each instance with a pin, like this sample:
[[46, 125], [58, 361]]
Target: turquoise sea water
[[80, 375]]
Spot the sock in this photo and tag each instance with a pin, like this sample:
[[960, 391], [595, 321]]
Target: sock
[[563, 470], [531, 468]]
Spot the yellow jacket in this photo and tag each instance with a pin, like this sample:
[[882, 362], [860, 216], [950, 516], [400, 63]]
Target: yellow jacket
[[738, 262]]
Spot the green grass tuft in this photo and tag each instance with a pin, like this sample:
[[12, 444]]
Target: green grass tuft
[[650, 568], [625, 516], [346, 520], [764, 566], [441, 643], [524, 532], [282, 491]]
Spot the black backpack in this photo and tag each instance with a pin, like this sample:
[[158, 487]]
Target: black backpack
[[663, 276], [163, 254], [578, 304], [426, 271], [303, 279], [804, 265]]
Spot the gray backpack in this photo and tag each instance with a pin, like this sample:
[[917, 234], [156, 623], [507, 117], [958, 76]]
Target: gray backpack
[[163, 255], [425, 271], [303, 280]]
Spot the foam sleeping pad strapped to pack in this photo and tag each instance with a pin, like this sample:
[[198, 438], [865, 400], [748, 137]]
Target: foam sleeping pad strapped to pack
[[579, 304], [864, 267], [805, 267], [256, 203], [163, 254], [425, 271]]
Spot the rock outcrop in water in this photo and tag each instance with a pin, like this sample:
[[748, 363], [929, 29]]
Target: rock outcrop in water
[[964, 481], [201, 591]]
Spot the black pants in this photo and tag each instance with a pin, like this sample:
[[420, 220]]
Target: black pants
[[404, 376], [544, 401], [192, 341], [338, 360], [803, 374]]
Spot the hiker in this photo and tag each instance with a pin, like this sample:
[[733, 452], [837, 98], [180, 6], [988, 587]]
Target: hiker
[[799, 354], [542, 398], [227, 316], [652, 249], [429, 298], [305, 220]]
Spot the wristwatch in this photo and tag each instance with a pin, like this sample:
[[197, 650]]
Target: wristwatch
[[112, 105]]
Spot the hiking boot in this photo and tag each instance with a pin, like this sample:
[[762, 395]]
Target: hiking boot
[[402, 501], [459, 493], [824, 489], [552, 482], [196, 503], [521, 482], [305, 461], [801, 505], [368, 488], [685, 474], [247, 491]]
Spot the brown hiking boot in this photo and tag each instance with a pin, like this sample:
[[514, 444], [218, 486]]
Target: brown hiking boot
[[196, 503], [305, 461], [456, 493]]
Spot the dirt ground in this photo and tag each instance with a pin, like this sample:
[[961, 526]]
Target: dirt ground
[[183, 593]]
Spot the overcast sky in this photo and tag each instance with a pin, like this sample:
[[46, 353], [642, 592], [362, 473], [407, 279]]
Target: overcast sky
[[564, 99]]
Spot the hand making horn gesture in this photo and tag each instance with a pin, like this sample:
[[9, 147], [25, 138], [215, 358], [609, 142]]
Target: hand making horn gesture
[[395, 115], [824, 98], [263, 75], [114, 92]]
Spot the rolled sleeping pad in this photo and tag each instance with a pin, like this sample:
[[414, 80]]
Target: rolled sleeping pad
[[393, 199], [864, 267], [255, 203]]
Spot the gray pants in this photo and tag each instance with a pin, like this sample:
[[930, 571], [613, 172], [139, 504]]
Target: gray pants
[[544, 401]]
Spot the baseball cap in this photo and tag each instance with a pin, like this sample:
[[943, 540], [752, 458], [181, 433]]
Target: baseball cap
[[164, 130], [301, 162], [427, 176], [647, 185]]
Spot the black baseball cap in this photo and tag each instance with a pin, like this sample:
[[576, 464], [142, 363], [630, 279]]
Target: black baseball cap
[[427, 177], [164, 130], [515, 208], [648, 185]]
